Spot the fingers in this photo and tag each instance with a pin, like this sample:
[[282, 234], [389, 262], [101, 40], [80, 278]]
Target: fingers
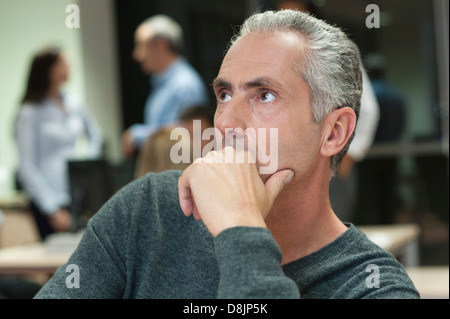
[[195, 211], [184, 194], [277, 182], [213, 178]]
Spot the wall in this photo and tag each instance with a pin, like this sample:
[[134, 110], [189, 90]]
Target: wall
[[100, 62], [28, 25]]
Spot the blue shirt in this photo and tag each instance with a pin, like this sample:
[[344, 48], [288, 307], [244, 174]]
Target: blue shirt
[[174, 90], [392, 111], [46, 137]]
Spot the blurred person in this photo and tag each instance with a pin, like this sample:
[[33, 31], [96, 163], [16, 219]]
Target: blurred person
[[384, 203], [201, 113], [344, 185], [48, 126], [198, 113], [175, 83], [154, 155], [392, 103], [223, 229], [306, 6], [18, 288]]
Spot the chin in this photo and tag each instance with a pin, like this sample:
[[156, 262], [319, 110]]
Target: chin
[[265, 177], [147, 69]]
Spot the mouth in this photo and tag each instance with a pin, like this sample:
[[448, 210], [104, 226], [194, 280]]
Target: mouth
[[264, 153]]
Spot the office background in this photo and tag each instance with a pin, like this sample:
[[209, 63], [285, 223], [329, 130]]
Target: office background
[[413, 37]]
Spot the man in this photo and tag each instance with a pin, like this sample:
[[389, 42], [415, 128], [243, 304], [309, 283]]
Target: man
[[176, 85], [344, 185], [249, 235]]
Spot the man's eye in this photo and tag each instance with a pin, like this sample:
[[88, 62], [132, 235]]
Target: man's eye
[[266, 97], [224, 97]]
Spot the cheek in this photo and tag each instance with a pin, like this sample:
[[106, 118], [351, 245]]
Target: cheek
[[151, 55], [65, 72], [299, 147], [55, 75]]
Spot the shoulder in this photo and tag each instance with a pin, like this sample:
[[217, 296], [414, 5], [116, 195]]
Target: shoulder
[[28, 109], [160, 188], [150, 188], [29, 112], [73, 102], [374, 272], [72, 98], [351, 267], [187, 76], [147, 198]]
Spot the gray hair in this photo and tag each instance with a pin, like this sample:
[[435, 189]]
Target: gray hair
[[330, 64], [166, 28]]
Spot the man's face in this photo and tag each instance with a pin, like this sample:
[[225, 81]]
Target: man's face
[[145, 51], [258, 87]]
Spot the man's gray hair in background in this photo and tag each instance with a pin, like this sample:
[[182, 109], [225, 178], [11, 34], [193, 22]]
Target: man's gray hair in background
[[164, 27], [330, 64]]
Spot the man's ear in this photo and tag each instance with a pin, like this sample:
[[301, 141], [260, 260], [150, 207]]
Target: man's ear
[[337, 127], [162, 44]]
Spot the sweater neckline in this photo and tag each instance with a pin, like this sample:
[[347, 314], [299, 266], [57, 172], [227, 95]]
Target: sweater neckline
[[329, 251]]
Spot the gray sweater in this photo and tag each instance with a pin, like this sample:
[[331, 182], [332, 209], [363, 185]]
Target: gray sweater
[[140, 245]]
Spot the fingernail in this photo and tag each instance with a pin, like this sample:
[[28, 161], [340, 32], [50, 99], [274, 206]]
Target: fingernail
[[289, 177]]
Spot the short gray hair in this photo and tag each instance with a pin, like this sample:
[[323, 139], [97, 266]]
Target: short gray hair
[[166, 28], [330, 63]]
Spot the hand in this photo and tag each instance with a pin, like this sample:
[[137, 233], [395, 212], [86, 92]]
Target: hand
[[128, 146], [61, 220], [225, 195]]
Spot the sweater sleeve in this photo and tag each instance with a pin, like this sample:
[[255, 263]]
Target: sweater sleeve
[[98, 267], [249, 263], [93, 271]]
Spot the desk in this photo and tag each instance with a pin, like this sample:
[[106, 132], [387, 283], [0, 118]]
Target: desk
[[30, 259], [401, 240], [39, 257], [16, 200], [430, 281]]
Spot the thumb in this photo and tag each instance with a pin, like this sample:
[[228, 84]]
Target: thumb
[[277, 182]]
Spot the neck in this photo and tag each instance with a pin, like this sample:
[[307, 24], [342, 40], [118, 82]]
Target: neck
[[302, 220], [54, 92], [167, 62]]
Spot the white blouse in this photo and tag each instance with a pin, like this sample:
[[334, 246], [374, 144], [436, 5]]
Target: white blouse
[[46, 136]]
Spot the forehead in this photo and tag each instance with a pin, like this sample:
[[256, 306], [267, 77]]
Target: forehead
[[143, 32], [264, 54]]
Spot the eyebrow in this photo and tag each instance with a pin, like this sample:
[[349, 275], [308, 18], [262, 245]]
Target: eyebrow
[[221, 83], [255, 83]]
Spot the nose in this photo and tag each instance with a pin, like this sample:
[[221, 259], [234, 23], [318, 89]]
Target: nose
[[231, 116]]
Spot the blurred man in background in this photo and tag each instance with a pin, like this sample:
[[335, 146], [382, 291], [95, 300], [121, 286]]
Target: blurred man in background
[[175, 83]]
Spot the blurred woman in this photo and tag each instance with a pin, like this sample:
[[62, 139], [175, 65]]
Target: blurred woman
[[48, 126], [155, 153]]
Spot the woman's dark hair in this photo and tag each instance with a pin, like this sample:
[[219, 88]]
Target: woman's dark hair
[[39, 77]]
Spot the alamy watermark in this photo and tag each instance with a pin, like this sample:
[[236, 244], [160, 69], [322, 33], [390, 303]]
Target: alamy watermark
[[73, 19], [73, 279], [261, 144], [373, 280], [373, 19]]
